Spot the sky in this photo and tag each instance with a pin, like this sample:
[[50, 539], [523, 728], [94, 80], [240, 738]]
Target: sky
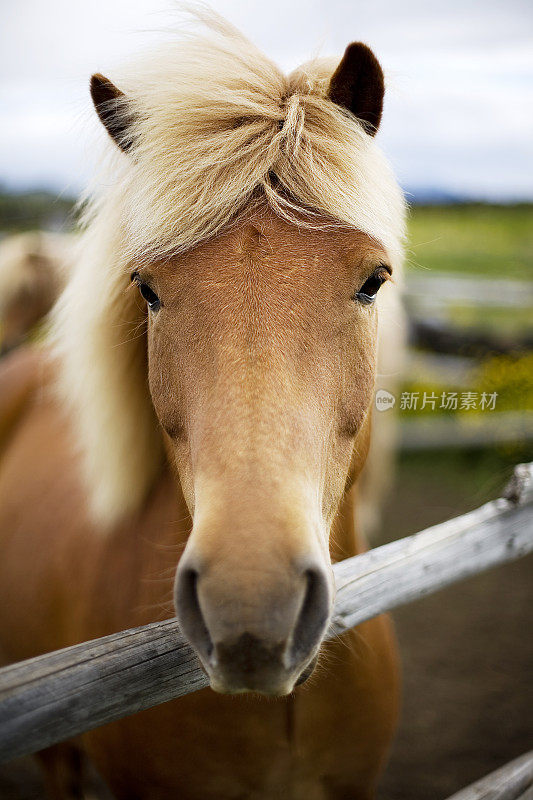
[[458, 113]]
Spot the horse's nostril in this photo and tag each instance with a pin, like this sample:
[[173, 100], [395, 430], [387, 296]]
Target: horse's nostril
[[189, 611], [313, 617], [308, 671], [250, 645]]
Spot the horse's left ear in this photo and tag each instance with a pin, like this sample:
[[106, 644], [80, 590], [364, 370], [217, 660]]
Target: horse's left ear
[[358, 85], [112, 107]]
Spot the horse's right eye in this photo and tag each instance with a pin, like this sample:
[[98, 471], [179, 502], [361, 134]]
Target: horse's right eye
[[152, 300]]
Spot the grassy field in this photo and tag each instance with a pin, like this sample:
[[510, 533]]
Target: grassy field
[[477, 239], [495, 241], [34, 210]]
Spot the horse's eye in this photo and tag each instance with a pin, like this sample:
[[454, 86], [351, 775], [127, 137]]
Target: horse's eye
[[368, 291], [152, 300]]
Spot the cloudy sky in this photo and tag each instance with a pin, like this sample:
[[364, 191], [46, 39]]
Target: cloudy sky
[[459, 108]]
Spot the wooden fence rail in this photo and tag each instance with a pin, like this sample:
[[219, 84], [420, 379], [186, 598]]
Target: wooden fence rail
[[59, 695], [513, 781], [434, 287]]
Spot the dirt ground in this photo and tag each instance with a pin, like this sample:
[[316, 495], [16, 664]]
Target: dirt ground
[[467, 652]]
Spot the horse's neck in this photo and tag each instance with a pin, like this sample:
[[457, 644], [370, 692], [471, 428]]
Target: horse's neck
[[346, 539]]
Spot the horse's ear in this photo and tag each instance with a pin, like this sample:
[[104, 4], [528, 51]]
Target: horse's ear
[[358, 85], [112, 107]]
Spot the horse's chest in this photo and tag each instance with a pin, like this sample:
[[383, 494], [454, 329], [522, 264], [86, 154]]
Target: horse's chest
[[327, 738]]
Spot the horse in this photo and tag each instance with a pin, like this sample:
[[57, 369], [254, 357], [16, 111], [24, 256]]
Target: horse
[[34, 268], [190, 442]]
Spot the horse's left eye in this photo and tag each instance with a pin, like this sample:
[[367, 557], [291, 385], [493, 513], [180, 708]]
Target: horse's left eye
[[152, 300], [368, 291]]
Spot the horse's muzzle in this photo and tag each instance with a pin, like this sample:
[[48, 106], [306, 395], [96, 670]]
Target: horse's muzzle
[[247, 644]]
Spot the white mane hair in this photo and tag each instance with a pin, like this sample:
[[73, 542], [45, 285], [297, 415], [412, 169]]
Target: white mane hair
[[214, 121]]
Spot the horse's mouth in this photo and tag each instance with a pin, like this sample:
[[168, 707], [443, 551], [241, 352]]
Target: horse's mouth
[[251, 685]]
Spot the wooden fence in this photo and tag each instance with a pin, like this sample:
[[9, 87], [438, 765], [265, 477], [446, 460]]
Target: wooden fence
[[53, 697], [437, 289], [432, 297], [514, 781]]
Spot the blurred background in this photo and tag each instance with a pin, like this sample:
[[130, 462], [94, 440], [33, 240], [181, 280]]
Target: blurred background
[[458, 129]]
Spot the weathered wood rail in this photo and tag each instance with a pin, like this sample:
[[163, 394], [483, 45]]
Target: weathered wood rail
[[513, 781], [62, 694], [431, 297], [434, 287]]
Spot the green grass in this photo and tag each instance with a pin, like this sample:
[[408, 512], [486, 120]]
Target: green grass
[[34, 210], [496, 241], [510, 377]]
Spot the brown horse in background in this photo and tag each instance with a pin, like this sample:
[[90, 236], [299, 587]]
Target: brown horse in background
[[34, 268], [217, 425]]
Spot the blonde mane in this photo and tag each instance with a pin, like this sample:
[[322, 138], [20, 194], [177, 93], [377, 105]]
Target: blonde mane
[[215, 124]]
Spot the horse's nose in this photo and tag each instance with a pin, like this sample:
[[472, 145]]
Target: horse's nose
[[256, 635]]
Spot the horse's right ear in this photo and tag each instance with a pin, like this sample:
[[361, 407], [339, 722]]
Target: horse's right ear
[[112, 107]]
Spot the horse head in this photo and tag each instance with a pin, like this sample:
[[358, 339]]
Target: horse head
[[264, 222]]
